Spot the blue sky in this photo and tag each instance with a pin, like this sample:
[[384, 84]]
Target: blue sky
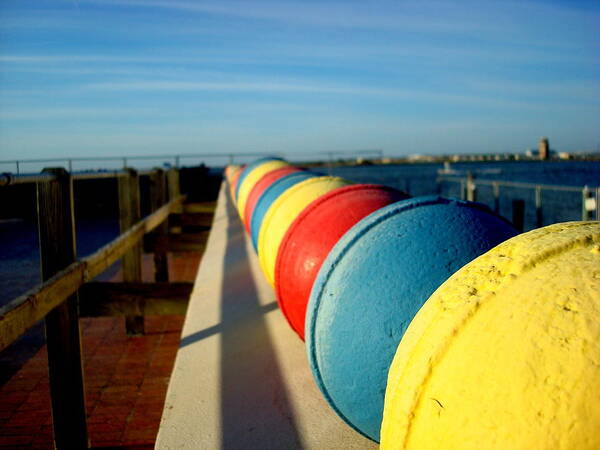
[[115, 77]]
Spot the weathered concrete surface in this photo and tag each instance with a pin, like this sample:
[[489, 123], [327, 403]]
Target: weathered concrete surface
[[241, 377]]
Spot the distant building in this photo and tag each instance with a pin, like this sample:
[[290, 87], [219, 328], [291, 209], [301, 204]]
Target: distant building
[[544, 148], [564, 155]]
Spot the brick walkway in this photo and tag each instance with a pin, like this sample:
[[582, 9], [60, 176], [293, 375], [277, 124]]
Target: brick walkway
[[126, 379]]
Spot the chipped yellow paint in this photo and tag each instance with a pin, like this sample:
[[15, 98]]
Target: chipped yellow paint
[[506, 353], [283, 212], [252, 178]]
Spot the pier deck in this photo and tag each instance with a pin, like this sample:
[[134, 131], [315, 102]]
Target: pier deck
[[126, 378], [241, 377]]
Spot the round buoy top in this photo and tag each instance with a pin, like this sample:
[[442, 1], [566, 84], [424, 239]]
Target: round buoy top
[[252, 178], [235, 177], [313, 234], [506, 353], [230, 171], [372, 284], [246, 170], [282, 213], [259, 188], [269, 196]]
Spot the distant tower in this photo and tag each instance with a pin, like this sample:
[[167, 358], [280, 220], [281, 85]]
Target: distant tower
[[544, 147]]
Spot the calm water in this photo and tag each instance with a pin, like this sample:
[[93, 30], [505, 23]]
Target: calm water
[[19, 258], [19, 253], [419, 179], [557, 206]]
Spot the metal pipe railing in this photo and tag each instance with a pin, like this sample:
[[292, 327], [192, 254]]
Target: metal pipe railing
[[177, 158], [516, 184], [590, 196], [11, 179]]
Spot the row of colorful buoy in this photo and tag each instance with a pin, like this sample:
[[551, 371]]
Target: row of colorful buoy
[[470, 336]]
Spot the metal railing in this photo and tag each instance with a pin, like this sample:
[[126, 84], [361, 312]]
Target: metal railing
[[587, 197], [177, 159]]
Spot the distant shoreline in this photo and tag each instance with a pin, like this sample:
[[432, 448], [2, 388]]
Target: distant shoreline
[[463, 159]]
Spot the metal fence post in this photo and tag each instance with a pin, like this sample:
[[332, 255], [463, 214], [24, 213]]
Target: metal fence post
[[471, 188], [496, 188], [539, 217], [518, 214], [598, 203], [129, 214], [56, 227], [586, 204]]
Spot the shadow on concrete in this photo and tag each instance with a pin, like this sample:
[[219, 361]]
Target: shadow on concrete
[[207, 332], [255, 409]]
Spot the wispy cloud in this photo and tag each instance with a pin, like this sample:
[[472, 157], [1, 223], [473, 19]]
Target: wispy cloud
[[575, 91], [326, 13], [88, 58], [78, 113], [381, 93], [511, 20]]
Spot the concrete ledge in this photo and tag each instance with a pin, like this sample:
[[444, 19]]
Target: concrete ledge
[[241, 378]]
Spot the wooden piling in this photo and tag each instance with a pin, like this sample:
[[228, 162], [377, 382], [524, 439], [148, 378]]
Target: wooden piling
[[56, 221], [173, 187], [158, 197], [129, 214]]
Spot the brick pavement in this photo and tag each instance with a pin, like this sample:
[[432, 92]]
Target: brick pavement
[[126, 378]]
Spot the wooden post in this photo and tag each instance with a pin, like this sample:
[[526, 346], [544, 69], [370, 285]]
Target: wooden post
[[518, 214], [158, 197], [129, 214], [174, 191], [56, 226]]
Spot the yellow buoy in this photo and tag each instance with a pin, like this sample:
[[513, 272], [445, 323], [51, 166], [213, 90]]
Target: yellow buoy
[[252, 178], [506, 353], [282, 213]]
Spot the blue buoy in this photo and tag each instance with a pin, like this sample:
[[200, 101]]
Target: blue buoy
[[269, 196], [372, 284]]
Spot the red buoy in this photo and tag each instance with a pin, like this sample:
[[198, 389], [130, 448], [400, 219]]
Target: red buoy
[[313, 234], [260, 186]]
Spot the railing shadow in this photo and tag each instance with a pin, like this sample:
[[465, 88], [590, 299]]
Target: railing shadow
[[255, 409]]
